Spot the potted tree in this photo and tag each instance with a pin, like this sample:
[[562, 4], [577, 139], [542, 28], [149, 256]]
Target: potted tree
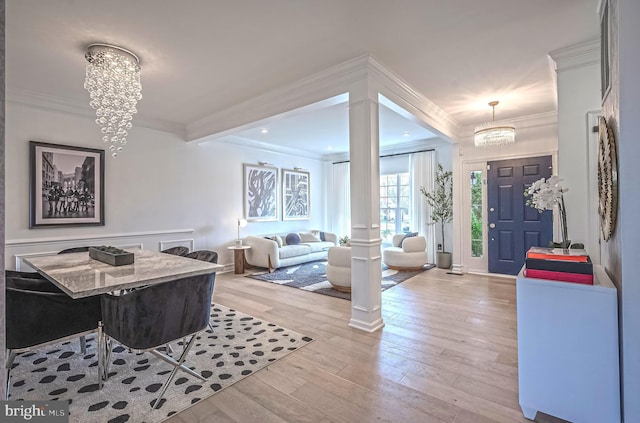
[[441, 202]]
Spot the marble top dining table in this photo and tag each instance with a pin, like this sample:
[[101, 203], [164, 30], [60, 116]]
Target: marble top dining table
[[80, 276]]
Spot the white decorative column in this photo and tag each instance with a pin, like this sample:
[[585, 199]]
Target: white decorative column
[[366, 269]]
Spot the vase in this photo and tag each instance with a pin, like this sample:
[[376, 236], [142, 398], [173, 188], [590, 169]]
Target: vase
[[563, 244], [443, 260]]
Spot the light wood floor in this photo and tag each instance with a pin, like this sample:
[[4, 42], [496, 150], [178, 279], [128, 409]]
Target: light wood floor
[[448, 353]]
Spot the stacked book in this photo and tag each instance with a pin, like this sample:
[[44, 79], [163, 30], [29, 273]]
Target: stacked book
[[559, 264]]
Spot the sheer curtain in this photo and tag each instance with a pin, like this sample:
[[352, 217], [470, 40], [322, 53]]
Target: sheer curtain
[[341, 200], [422, 168]]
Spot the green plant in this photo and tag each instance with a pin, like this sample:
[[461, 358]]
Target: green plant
[[441, 199], [344, 240]]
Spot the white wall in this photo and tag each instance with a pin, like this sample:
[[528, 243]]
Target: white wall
[[158, 183], [578, 94], [620, 254]]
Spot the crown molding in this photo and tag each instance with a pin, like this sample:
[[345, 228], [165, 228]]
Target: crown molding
[[412, 104], [577, 55], [56, 104], [329, 83], [404, 148], [272, 148], [254, 112], [537, 120]]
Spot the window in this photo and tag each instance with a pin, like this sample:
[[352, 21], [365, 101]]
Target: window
[[394, 205], [476, 213]]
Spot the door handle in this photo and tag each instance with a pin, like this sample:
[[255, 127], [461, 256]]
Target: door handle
[[492, 225]]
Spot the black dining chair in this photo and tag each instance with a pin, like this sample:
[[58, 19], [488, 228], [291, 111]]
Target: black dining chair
[[74, 250], [39, 314], [204, 255], [83, 341], [177, 251], [150, 317]]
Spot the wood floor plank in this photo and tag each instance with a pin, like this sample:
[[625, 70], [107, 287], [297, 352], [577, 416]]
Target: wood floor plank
[[281, 404], [447, 354]]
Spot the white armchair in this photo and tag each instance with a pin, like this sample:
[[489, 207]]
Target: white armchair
[[339, 268], [407, 253]]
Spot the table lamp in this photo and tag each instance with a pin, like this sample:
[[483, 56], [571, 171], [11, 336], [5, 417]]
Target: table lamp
[[241, 224]]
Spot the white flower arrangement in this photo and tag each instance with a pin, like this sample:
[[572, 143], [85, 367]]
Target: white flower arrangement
[[544, 195]]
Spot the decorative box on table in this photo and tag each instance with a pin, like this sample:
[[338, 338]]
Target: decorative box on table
[[111, 255]]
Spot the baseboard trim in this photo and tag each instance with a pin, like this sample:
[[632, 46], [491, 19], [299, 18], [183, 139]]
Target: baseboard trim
[[365, 326]]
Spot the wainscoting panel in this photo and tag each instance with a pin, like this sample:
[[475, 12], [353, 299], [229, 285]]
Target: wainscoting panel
[[189, 243], [16, 250]]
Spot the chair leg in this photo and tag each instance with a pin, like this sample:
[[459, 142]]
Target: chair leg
[[83, 345], [11, 356], [104, 355], [177, 366]]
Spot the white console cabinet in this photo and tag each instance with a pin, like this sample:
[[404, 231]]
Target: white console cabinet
[[568, 349]]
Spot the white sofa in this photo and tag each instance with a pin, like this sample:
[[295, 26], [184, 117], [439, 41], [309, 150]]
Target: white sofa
[[408, 253], [270, 254]]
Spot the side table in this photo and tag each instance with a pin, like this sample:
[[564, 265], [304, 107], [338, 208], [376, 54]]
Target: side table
[[238, 258]]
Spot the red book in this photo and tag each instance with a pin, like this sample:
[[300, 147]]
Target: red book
[[559, 276]]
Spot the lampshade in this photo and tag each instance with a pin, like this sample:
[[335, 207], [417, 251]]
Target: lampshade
[[242, 222], [489, 134], [113, 81]]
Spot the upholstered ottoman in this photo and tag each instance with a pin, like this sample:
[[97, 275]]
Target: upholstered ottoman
[[411, 255], [339, 268]]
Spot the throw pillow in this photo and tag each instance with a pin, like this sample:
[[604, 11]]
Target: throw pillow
[[293, 239], [308, 237], [278, 240], [319, 235], [409, 235]]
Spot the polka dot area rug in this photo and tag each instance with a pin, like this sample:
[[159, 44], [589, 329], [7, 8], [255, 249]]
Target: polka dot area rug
[[239, 346]]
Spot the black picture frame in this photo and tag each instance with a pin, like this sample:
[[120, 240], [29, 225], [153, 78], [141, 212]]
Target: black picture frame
[[66, 185]]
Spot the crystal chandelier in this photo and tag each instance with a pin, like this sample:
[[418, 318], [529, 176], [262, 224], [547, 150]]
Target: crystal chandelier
[[113, 82], [491, 134]]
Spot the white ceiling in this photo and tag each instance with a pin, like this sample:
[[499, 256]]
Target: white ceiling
[[202, 56]]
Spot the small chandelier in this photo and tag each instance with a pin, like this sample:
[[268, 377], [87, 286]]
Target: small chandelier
[[113, 82], [491, 134]]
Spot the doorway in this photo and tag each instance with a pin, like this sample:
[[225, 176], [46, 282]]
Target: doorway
[[514, 227]]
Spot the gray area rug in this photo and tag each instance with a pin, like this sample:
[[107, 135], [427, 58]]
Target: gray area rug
[[239, 346], [313, 277]]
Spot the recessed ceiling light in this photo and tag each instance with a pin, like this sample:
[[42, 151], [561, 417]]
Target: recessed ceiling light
[[264, 130], [406, 134]]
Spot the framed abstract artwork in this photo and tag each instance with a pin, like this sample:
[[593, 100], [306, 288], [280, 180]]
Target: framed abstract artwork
[[296, 204], [66, 185], [260, 193]]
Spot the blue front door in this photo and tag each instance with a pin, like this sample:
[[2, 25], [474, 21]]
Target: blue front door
[[514, 227]]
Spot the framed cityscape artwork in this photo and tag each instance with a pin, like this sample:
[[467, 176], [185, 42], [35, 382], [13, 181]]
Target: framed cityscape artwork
[[296, 195], [66, 185], [260, 193]]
